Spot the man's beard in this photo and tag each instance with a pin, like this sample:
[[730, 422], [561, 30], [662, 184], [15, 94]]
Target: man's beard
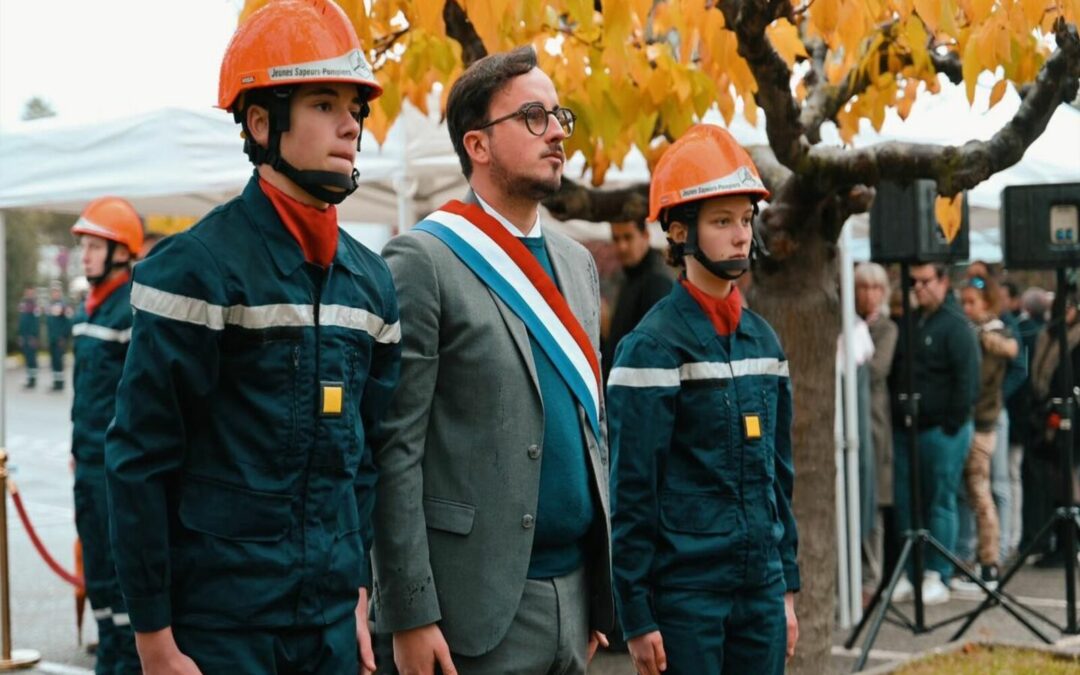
[[529, 187]]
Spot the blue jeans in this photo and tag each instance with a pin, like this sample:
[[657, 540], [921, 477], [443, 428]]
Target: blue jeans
[[1000, 487], [941, 466]]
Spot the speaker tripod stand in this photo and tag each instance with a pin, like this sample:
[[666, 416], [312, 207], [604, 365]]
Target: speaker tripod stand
[[918, 537]]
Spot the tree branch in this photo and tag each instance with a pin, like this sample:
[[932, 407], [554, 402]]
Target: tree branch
[[748, 19], [461, 29], [825, 100], [957, 168], [773, 173], [574, 201]]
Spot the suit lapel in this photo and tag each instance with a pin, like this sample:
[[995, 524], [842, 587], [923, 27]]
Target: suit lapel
[[565, 278]]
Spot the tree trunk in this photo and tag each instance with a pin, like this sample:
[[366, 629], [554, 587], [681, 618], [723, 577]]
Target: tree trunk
[[800, 298]]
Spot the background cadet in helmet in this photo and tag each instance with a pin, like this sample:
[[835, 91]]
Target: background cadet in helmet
[[699, 410], [110, 235], [263, 351]]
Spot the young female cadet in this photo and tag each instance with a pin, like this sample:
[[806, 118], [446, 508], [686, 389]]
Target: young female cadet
[[699, 406]]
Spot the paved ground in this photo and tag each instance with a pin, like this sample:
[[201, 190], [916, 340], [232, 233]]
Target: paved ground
[[43, 607]]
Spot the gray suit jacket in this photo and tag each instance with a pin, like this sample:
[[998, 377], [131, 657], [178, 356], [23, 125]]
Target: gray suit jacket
[[458, 484]]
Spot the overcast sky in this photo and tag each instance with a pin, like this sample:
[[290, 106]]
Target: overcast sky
[[101, 59]]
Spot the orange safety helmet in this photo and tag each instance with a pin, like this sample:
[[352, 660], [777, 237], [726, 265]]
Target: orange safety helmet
[[706, 162], [291, 42], [114, 219]]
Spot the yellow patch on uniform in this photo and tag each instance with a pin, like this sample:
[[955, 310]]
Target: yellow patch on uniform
[[332, 394], [752, 426]]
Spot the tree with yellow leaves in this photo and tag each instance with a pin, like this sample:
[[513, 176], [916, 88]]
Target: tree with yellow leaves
[[638, 73]]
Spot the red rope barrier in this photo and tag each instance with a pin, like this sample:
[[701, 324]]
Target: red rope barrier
[[49, 560]]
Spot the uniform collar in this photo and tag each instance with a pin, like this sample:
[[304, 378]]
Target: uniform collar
[[101, 292], [700, 324], [283, 248]]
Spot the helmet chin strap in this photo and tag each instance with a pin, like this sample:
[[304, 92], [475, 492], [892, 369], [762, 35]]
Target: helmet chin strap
[[318, 184]]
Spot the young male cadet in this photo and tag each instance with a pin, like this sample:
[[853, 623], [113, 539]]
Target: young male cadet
[[110, 235], [263, 353], [491, 536], [703, 536]]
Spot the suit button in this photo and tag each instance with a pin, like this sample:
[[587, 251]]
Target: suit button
[[527, 521], [534, 451]]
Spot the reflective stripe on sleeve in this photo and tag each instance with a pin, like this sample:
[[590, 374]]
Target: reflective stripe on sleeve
[[97, 332], [177, 307]]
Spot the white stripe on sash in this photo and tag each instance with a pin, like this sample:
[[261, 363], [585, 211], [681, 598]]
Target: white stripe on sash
[[97, 332], [505, 266], [699, 370], [260, 317]]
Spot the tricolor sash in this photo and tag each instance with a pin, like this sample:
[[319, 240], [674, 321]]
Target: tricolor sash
[[514, 274]]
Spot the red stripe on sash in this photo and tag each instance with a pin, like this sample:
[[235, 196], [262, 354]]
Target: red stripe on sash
[[532, 270]]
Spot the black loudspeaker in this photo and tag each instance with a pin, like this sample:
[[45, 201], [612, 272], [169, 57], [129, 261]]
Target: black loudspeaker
[[1040, 226], [903, 227]]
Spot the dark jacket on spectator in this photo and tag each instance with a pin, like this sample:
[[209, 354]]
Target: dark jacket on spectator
[[646, 284], [945, 369]]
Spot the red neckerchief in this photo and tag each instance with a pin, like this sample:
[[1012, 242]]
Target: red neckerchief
[[723, 312], [314, 229], [100, 292]]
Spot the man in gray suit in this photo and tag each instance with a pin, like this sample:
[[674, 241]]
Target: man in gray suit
[[492, 547]]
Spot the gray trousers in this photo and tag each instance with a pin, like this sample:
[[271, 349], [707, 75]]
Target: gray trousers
[[548, 636]]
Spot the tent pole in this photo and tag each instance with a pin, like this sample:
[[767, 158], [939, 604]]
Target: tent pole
[[851, 423], [405, 189]]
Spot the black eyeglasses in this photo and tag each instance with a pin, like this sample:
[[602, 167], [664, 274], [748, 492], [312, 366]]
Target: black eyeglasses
[[536, 118], [916, 282]]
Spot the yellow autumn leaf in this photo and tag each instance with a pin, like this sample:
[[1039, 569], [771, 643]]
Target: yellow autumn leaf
[[949, 212], [997, 92], [903, 106], [750, 108], [785, 40], [852, 25], [971, 68], [825, 16], [948, 17], [428, 17], [1033, 10], [930, 12], [726, 103], [485, 16]]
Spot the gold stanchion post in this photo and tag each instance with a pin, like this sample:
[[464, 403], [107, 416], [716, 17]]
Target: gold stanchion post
[[18, 659]]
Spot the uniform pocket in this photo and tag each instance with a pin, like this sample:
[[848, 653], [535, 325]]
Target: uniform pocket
[[697, 513], [449, 516], [233, 513]]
